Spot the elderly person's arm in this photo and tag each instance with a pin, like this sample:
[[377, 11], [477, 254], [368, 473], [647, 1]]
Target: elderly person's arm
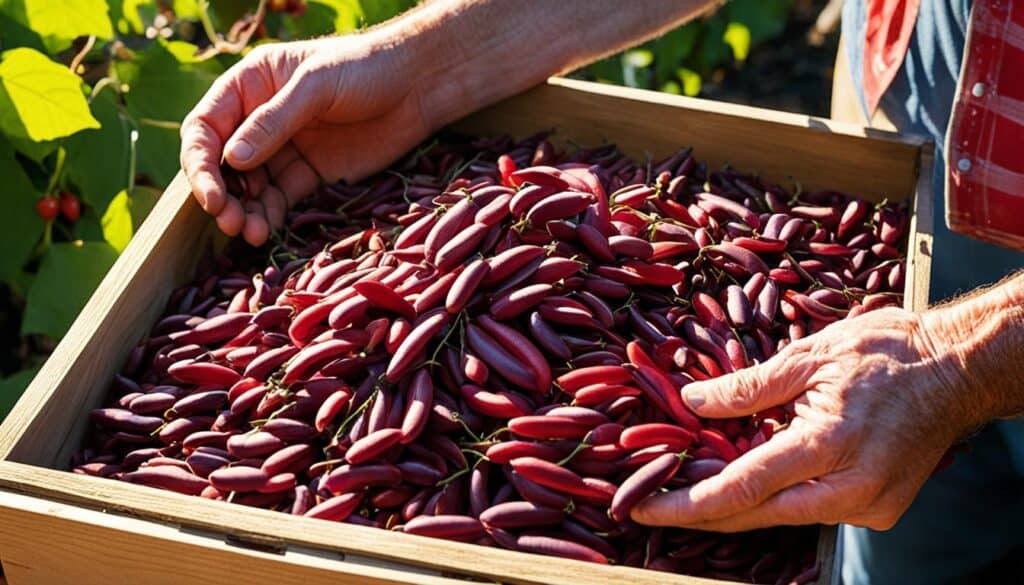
[[295, 114], [878, 401]]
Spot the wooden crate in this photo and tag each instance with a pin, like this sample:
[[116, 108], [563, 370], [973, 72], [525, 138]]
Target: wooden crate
[[64, 528]]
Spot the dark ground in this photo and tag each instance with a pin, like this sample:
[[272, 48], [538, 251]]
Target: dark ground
[[787, 74]]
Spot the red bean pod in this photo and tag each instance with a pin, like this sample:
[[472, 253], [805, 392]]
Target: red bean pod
[[168, 478], [713, 203], [238, 479], [553, 476], [578, 378], [413, 344], [642, 483], [372, 445], [465, 285], [201, 373], [520, 515], [384, 297], [337, 508], [449, 226], [348, 478], [650, 434], [446, 526], [499, 360]]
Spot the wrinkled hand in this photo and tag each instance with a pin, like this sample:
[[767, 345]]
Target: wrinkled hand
[[877, 404], [292, 115]]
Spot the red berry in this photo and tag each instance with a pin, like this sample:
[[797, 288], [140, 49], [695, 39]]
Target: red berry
[[296, 7], [48, 207], [277, 5], [70, 207]]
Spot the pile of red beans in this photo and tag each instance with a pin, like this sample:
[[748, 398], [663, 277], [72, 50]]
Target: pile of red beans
[[486, 343]]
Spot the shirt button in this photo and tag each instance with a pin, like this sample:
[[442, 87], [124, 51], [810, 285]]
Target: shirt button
[[978, 89], [963, 165]]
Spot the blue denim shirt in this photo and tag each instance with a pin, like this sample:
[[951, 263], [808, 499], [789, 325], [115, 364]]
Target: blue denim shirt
[[920, 101]]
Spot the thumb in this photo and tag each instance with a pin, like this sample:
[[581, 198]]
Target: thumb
[[272, 124], [774, 382]]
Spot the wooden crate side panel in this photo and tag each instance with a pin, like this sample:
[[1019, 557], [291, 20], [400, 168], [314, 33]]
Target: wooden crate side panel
[[44, 542], [47, 424], [514, 568], [822, 154], [920, 247]]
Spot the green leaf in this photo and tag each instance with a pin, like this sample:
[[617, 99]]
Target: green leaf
[[376, 11], [36, 151], [608, 70], [672, 87], [13, 30], [157, 153], [166, 80], [224, 13], [323, 17], [117, 221], [12, 387], [125, 214], [690, 79], [737, 36], [638, 58], [97, 160], [59, 22], [712, 51], [764, 19], [186, 9], [88, 226], [132, 16], [20, 225], [672, 48], [40, 99], [66, 279]]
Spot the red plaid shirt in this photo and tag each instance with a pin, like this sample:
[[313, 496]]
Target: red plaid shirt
[[985, 139]]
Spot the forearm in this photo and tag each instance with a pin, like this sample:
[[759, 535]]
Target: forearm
[[472, 53], [982, 335]]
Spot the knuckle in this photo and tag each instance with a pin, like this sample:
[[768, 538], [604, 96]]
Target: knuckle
[[265, 125], [746, 494], [744, 391]]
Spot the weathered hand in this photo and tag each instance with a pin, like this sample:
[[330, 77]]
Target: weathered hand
[[877, 403], [294, 114]]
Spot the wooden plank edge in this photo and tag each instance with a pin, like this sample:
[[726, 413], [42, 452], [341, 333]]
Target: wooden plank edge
[[148, 504], [740, 111], [920, 247], [50, 522]]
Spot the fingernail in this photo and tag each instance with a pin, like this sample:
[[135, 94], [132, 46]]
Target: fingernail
[[694, 398], [241, 151]]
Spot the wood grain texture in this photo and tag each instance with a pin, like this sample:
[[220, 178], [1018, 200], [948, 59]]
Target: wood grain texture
[[48, 423], [820, 153], [920, 247], [44, 542], [121, 499]]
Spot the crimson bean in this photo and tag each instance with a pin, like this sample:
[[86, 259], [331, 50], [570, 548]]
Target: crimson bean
[[642, 483], [349, 478], [337, 508], [168, 478], [447, 526], [413, 344], [519, 515]]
